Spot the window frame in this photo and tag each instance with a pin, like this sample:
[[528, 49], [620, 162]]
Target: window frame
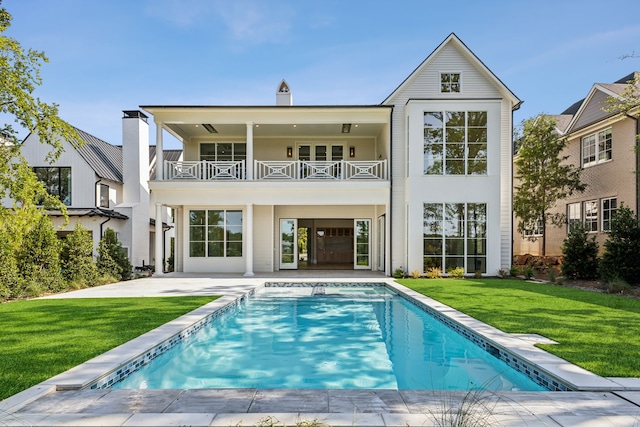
[[572, 220], [215, 235], [236, 155], [101, 202], [59, 184], [599, 148], [450, 83], [590, 215], [534, 231], [607, 214]]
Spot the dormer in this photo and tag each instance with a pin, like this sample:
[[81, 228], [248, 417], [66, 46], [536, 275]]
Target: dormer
[[283, 94]]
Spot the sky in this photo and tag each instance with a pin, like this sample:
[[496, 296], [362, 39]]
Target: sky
[[106, 56]]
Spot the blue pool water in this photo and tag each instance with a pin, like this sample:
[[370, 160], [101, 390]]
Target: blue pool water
[[345, 338]]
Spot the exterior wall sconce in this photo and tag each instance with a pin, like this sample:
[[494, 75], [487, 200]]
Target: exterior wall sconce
[[289, 152], [352, 151]]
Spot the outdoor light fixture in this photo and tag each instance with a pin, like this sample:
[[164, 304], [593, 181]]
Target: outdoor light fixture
[[209, 128], [289, 152], [346, 127], [352, 151]]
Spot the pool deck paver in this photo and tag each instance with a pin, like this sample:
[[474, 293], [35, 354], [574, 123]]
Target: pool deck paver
[[42, 405]]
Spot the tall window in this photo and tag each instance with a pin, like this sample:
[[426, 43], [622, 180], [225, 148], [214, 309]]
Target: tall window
[[104, 196], [455, 143], [449, 82], [609, 207], [591, 215], [215, 233], [57, 180], [455, 235], [574, 217], [223, 151], [596, 148]]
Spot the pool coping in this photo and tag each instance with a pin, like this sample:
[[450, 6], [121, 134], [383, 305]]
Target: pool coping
[[82, 376]]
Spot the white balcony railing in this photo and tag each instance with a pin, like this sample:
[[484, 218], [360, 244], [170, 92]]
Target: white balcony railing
[[298, 170], [204, 170]]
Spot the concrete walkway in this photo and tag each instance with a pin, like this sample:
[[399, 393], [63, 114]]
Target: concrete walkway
[[44, 405]]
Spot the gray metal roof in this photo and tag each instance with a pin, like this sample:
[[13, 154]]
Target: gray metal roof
[[169, 155], [104, 158]]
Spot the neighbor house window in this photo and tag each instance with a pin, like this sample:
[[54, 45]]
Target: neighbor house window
[[104, 196], [574, 217], [455, 235], [534, 229], [455, 143], [57, 181], [215, 233], [449, 82], [591, 215], [609, 207], [596, 148]]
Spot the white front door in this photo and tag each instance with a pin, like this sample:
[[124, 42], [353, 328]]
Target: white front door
[[362, 244], [288, 244]]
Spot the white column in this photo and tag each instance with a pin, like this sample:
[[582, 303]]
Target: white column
[[159, 153], [249, 151], [248, 241], [159, 271]]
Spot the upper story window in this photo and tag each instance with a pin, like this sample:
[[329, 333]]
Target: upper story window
[[455, 143], [223, 151], [57, 181], [596, 148], [449, 82], [104, 196]]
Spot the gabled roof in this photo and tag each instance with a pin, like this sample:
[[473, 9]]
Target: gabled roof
[[169, 155], [589, 110], [105, 159], [455, 41]]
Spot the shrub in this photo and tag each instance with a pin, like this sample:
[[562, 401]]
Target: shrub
[[502, 273], [77, 258], [38, 259], [515, 271], [416, 274], [456, 273], [434, 273], [552, 275], [621, 249], [398, 273], [580, 255], [528, 272], [112, 258], [10, 280], [618, 286]]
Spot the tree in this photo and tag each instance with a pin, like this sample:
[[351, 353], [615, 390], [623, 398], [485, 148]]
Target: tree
[[621, 249], [543, 176], [112, 258], [580, 255], [77, 258]]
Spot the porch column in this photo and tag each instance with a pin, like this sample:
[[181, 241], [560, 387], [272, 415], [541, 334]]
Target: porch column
[[248, 256], [159, 153], [249, 173], [158, 267]]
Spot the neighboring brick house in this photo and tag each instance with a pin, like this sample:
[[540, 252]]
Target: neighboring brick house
[[605, 146]]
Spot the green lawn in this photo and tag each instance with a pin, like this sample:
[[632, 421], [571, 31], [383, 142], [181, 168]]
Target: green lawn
[[42, 338], [599, 332]]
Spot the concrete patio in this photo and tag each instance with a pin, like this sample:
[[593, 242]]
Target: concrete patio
[[46, 404]]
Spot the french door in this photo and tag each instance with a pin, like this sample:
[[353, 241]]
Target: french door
[[288, 244], [362, 244]]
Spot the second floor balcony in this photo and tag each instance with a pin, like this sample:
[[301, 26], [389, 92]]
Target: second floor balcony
[[293, 170]]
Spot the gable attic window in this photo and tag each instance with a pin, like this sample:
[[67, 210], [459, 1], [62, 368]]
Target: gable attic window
[[596, 148], [104, 196], [57, 181], [449, 82]]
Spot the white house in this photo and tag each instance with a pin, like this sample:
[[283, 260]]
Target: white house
[[421, 180], [106, 186]]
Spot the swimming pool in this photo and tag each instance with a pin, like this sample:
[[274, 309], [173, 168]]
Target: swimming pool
[[326, 337]]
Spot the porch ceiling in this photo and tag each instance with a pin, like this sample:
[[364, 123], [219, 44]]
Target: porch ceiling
[[188, 131]]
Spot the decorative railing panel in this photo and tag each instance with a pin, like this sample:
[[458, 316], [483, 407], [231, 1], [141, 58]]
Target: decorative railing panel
[[296, 170]]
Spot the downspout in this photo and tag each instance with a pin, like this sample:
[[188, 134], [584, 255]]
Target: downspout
[[103, 223]]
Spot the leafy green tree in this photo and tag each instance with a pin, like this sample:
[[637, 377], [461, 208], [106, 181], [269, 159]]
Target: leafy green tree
[[38, 259], [543, 176], [580, 255], [10, 279], [77, 258], [621, 249], [112, 258]]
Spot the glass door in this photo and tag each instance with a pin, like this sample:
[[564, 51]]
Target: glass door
[[381, 242], [288, 244], [362, 244]]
